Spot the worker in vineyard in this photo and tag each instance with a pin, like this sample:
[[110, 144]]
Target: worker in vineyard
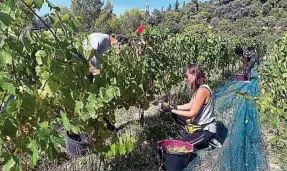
[[249, 61], [141, 30], [142, 33], [99, 43], [197, 116]]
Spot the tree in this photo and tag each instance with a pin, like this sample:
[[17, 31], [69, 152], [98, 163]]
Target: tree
[[171, 20], [108, 8], [130, 21], [169, 8], [224, 2], [188, 10], [157, 16], [102, 23], [65, 10], [176, 5], [196, 4], [214, 21], [89, 10], [38, 25], [266, 9], [114, 25], [282, 23]]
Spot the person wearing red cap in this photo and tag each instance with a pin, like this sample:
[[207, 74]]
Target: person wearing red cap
[[142, 34], [140, 30]]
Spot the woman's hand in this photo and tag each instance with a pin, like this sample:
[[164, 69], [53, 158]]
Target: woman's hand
[[167, 107], [118, 51], [93, 69]]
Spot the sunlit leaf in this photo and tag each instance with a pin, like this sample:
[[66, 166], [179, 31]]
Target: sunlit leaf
[[65, 120], [8, 165], [5, 58], [39, 3], [66, 17], [39, 56], [33, 147]]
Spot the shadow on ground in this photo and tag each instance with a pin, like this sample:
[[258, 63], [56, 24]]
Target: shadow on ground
[[144, 156]]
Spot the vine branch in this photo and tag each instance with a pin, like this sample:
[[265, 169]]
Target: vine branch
[[40, 19], [3, 99]]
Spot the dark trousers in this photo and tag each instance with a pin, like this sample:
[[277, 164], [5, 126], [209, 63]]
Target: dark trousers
[[197, 138]]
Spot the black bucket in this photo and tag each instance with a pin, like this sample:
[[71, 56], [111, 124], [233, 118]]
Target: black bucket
[[174, 161], [76, 145]]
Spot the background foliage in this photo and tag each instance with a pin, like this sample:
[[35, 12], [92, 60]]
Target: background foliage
[[41, 67]]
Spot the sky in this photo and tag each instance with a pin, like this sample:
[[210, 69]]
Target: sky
[[120, 6]]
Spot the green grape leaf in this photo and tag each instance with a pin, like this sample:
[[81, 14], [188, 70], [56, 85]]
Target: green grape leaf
[[7, 166], [35, 156], [44, 124], [5, 18], [79, 107], [129, 145], [75, 129], [122, 148], [90, 106], [29, 2], [8, 87], [10, 128], [39, 4], [113, 149], [109, 154], [65, 120], [5, 58], [45, 90], [11, 3], [51, 6], [66, 17], [39, 56]]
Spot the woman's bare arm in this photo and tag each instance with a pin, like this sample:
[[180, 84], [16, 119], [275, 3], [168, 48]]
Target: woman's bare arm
[[199, 100], [186, 106]]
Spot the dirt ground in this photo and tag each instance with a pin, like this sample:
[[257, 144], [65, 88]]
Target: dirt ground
[[277, 159]]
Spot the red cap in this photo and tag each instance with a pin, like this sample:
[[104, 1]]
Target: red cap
[[140, 29]]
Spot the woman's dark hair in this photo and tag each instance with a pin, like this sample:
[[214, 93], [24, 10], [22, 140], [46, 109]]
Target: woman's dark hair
[[238, 51], [199, 75]]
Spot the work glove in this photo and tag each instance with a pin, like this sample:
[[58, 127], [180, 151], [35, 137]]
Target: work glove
[[90, 77], [167, 107]]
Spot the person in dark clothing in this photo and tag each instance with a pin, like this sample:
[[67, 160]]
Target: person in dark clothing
[[249, 61]]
